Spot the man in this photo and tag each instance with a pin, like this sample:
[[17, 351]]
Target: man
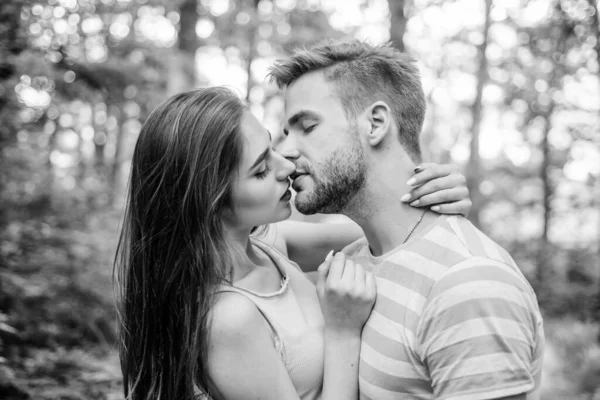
[[454, 317]]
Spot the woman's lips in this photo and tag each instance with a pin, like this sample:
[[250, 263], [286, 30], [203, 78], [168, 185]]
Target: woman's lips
[[287, 195]]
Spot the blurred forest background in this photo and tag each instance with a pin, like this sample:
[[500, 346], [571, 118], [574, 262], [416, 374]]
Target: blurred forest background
[[513, 88]]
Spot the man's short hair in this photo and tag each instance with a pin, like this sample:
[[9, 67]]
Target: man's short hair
[[363, 74]]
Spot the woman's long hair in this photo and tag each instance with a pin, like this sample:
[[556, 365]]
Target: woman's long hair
[[172, 251]]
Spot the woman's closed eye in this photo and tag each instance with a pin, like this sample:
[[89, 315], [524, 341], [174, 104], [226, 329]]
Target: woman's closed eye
[[264, 172]]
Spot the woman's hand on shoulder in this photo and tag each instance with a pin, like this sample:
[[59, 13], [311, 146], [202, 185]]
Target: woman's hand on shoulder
[[346, 293], [441, 186]]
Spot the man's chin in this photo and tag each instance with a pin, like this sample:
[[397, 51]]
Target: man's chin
[[304, 205]]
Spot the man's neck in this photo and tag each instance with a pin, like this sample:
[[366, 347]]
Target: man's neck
[[386, 221]]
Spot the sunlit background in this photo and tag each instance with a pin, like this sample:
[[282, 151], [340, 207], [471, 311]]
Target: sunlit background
[[513, 91]]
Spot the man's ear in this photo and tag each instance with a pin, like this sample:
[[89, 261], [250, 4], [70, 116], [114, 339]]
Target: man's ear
[[381, 122]]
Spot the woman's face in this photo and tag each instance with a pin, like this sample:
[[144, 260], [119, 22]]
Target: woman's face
[[260, 193]]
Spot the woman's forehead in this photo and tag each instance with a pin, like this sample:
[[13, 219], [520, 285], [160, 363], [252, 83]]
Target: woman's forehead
[[256, 138]]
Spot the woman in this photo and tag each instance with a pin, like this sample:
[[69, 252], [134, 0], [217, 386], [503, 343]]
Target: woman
[[207, 308]]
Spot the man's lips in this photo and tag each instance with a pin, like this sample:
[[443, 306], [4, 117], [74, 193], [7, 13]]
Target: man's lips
[[295, 181], [297, 173]]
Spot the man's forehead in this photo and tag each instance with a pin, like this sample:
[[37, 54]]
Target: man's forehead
[[312, 83], [309, 92]]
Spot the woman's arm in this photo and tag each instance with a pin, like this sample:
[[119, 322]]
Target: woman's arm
[[346, 294], [307, 243]]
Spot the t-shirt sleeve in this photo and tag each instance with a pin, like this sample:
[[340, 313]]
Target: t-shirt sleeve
[[477, 335]]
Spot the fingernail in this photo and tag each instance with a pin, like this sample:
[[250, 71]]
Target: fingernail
[[329, 256], [411, 181], [418, 169], [415, 203], [435, 208], [405, 198]]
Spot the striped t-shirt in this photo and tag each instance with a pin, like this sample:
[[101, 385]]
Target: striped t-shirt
[[454, 319]]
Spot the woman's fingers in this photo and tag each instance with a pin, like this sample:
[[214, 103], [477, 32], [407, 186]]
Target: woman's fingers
[[323, 271], [325, 265], [337, 266], [434, 185], [349, 274], [347, 300], [428, 171], [342, 277], [359, 279], [442, 196], [442, 186], [462, 207]]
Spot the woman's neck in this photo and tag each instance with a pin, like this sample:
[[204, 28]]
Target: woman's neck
[[245, 258]]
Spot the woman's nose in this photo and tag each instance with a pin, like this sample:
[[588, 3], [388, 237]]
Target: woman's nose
[[285, 167]]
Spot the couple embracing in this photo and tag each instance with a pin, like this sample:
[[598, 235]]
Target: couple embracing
[[217, 292]]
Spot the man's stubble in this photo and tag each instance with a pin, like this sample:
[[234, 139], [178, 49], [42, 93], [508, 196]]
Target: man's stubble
[[337, 181]]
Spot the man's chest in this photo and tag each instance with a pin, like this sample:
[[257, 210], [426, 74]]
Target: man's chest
[[390, 366], [390, 361]]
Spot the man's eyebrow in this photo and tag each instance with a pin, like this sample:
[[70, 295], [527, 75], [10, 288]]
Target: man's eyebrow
[[260, 158]]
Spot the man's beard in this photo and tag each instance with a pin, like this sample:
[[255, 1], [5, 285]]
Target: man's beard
[[340, 178]]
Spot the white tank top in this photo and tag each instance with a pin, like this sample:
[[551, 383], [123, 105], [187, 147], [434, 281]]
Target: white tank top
[[296, 322]]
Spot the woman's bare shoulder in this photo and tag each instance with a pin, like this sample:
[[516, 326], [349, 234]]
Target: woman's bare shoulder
[[234, 319]]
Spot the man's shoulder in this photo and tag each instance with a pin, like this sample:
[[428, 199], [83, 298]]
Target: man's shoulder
[[468, 255], [470, 240], [482, 268]]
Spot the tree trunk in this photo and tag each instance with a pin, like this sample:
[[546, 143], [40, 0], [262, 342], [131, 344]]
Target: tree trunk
[[12, 44], [544, 270], [397, 23], [100, 137], [99, 154], [596, 29], [182, 76], [595, 24], [115, 173], [543, 266], [82, 161], [252, 36], [474, 165]]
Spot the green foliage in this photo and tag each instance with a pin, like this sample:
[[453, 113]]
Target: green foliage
[[56, 299]]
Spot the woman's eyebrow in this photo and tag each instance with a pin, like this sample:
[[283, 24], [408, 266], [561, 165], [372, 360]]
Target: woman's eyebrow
[[260, 158]]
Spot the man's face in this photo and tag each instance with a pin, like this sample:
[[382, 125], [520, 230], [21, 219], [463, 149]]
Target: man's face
[[324, 145]]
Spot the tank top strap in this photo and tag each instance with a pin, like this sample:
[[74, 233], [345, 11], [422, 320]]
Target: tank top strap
[[277, 341], [273, 251]]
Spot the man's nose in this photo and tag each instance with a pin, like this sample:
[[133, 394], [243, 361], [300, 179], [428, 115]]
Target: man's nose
[[286, 146]]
